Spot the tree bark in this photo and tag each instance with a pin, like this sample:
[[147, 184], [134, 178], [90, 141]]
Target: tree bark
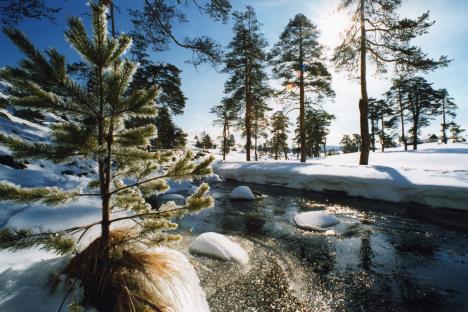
[[382, 140], [364, 102], [248, 102], [402, 117], [444, 124], [302, 136]]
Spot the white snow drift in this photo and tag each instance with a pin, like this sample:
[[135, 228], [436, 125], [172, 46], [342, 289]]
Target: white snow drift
[[436, 175], [218, 246], [242, 193], [315, 220]]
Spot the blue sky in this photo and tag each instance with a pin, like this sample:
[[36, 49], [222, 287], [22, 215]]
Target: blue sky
[[204, 86]]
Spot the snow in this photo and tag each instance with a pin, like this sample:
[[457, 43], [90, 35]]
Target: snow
[[243, 193], [315, 220], [24, 282], [27, 130], [213, 178], [26, 289], [435, 175], [176, 198], [218, 246], [182, 288], [178, 186], [24, 274]]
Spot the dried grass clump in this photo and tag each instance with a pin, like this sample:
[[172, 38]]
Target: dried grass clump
[[134, 280]]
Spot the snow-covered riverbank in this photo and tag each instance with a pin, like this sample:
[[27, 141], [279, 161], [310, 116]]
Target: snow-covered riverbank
[[435, 175]]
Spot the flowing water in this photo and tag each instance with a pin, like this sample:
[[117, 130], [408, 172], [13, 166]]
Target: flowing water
[[383, 257]]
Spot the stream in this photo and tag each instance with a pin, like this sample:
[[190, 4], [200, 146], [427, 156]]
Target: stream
[[389, 257]]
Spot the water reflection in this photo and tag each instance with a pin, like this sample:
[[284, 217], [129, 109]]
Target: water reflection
[[390, 258]]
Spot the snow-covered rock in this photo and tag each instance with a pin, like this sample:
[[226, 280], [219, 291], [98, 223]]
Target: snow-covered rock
[[315, 220], [176, 198], [242, 193], [218, 246], [213, 178]]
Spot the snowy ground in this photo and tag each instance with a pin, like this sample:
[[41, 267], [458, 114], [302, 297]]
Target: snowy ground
[[435, 175], [25, 274]]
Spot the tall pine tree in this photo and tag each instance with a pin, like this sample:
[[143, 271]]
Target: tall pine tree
[[376, 32], [298, 62], [245, 62]]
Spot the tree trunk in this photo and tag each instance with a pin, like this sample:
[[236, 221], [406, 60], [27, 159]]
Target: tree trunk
[[382, 140], [224, 140], [255, 147], [103, 177], [444, 125], [402, 117], [364, 102], [415, 133], [302, 136], [373, 134], [248, 103]]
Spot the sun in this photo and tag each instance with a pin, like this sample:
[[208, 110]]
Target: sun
[[331, 22]]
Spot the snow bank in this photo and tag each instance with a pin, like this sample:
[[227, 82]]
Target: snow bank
[[218, 246], [26, 288], [436, 177], [24, 283], [315, 220], [243, 193]]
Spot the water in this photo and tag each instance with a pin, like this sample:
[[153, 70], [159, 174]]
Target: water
[[387, 257]]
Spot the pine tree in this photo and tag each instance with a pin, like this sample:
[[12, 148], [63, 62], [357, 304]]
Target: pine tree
[[94, 130], [382, 117], [396, 98], [377, 32], [245, 63], [374, 114], [422, 105], [12, 12], [317, 122], [169, 135], [456, 132], [226, 115], [279, 134], [154, 24], [260, 123], [347, 144], [198, 143], [447, 107], [298, 62], [207, 142]]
